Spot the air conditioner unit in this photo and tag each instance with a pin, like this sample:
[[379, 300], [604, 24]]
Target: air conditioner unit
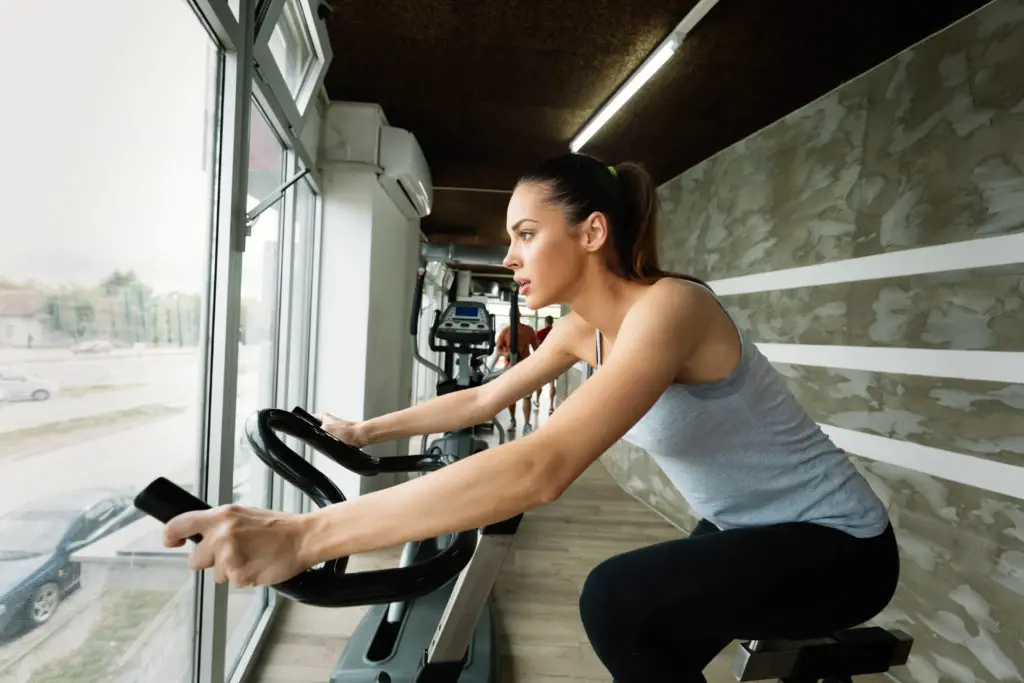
[[406, 176]]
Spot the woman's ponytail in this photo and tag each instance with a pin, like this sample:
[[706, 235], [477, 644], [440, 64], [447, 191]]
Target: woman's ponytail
[[639, 234]]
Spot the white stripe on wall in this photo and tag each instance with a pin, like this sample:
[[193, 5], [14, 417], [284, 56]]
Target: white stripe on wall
[[971, 470], [959, 467], [978, 253], [994, 366]]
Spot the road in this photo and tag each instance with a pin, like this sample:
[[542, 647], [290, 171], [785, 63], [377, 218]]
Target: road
[[126, 454], [91, 385], [109, 448]]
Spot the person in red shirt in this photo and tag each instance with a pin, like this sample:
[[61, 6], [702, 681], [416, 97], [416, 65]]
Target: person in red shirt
[[541, 334], [527, 341]]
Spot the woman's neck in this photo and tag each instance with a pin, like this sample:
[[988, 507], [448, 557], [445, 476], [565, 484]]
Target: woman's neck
[[603, 300]]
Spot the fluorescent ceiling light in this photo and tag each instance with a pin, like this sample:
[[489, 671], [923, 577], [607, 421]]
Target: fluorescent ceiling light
[[629, 88], [643, 74]]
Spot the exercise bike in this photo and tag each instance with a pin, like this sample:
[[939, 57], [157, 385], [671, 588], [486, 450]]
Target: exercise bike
[[445, 636], [464, 332]]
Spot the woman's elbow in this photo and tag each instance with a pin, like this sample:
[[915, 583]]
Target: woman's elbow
[[549, 479], [543, 489], [483, 407]]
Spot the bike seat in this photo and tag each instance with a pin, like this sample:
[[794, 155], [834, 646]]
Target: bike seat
[[852, 652]]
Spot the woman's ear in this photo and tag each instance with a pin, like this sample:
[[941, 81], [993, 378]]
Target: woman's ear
[[594, 232]]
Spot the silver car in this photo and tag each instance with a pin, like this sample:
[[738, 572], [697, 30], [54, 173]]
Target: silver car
[[18, 386]]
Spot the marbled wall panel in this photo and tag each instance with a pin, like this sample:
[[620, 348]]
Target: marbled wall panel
[[984, 419], [961, 593], [926, 149], [978, 310]]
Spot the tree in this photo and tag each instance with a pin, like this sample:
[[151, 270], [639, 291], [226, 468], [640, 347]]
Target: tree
[[117, 281]]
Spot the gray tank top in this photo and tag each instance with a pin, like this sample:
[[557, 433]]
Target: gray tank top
[[743, 452]]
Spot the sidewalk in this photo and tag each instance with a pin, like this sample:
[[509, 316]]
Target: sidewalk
[[19, 355]]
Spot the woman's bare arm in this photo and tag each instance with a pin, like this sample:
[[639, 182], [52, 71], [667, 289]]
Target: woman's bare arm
[[657, 338]]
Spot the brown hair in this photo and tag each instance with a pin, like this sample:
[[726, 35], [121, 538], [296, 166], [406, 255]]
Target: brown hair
[[624, 193]]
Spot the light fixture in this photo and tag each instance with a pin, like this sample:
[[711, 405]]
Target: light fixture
[[638, 78]]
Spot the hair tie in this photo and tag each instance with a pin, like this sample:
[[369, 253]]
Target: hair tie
[[615, 174]]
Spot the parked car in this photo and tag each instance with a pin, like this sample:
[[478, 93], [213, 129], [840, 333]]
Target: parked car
[[18, 386], [96, 346], [36, 543]]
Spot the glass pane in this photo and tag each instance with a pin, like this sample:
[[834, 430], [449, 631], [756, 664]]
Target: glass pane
[[292, 46], [256, 353], [301, 316], [302, 292], [103, 285]]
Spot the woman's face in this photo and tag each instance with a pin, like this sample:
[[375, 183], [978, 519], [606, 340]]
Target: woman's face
[[545, 253]]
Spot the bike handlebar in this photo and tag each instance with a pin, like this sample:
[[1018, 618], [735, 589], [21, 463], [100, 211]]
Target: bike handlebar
[[327, 585]]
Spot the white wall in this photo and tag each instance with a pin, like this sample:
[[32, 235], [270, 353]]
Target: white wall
[[344, 303], [389, 368], [367, 274], [15, 331]]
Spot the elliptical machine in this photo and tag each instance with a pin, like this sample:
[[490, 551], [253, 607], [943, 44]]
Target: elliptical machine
[[464, 332], [445, 636]]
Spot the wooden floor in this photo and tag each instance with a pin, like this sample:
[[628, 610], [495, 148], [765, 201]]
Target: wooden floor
[[540, 636]]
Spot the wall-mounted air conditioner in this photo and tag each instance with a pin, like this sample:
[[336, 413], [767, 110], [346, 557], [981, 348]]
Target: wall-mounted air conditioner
[[406, 176]]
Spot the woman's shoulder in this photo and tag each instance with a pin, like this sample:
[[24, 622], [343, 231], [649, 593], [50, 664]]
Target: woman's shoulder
[[674, 298], [572, 335], [674, 308]]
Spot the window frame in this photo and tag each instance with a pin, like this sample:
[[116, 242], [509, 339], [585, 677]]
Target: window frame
[[293, 107], [223, 310]]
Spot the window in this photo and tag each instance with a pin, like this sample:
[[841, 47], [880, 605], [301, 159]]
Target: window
[[302, 293], [106, 238], [292, 47], [292, 53], [257, 352]]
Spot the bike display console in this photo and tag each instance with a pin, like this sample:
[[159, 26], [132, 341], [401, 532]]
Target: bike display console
[[465, 327]]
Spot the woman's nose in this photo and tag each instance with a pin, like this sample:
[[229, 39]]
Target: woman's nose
[[511, 260]]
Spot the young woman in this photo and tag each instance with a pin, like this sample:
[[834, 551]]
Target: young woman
[[793, 542]]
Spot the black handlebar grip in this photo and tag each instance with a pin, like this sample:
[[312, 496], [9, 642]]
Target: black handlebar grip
[[417, 300], [164, 500], [307, 417]]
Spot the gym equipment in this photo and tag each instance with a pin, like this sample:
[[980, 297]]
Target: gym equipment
[[513, 326], [835, 659], [398, 634], [464, 333], [451, 649]]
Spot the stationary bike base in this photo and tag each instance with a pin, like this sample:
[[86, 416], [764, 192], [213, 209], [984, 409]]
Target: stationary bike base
[[362, 663], [381, 652]]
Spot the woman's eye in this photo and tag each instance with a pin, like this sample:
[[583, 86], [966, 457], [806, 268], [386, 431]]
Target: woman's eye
[[526, 236]]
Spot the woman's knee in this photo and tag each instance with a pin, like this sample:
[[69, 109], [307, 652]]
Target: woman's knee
[[601, 606]]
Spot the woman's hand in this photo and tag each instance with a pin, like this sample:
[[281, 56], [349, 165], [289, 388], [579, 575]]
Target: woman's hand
[[343, 430], [246, 546]]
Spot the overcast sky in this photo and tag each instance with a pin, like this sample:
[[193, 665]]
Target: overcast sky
[[104, 112]]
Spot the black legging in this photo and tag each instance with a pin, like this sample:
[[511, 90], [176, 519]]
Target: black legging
[[662, 613]]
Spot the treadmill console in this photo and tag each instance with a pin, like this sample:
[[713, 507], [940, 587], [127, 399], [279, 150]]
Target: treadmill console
[[464, 324]]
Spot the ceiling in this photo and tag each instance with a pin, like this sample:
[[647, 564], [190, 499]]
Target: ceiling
[[492, 87]]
